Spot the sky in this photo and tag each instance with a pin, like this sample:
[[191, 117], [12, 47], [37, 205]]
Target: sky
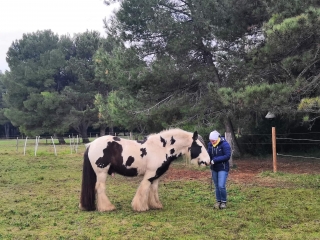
[[61, 16]]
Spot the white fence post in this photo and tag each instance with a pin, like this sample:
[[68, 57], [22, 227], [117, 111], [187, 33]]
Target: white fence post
[[54, 146], [36, 145], [25, 146], [76, 146], [70, 139]]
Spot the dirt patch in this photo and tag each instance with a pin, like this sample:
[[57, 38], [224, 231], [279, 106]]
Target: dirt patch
[[247, 170]]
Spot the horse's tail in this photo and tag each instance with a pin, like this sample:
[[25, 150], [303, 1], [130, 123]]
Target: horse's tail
[[89, 179]]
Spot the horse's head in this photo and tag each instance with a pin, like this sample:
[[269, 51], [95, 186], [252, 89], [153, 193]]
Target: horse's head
[[198, 150]]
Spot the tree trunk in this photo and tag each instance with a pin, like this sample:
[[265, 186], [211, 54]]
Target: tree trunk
[[232, 138], [208, 57], [60, 139], [111, 131], [84, 136], [82, 129], [229, 140], [102, 130], [7, 129]]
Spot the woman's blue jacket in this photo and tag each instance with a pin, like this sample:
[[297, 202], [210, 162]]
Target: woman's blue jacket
[[220, 155]]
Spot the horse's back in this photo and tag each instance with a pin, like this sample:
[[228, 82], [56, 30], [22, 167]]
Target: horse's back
[[114, 154]]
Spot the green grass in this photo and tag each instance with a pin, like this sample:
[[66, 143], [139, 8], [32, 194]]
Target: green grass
[[40, 195]]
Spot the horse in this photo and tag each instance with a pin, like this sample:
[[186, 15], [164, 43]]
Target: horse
[[149, 158]]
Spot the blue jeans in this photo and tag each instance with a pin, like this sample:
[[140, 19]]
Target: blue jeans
[[220, 180]]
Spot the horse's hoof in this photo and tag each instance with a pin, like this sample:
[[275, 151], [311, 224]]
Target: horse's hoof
[[140, 209], [81, 208], [107, 209], [156, 207]]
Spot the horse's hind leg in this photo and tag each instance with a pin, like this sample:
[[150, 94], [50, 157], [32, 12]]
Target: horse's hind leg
[[154, 201], [103, 202]]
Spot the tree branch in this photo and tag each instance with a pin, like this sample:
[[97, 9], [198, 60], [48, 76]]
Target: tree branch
[[174, 10], [306, 68], [154, 106], [312, 84]]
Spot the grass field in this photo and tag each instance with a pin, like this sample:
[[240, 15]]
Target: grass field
[[40, 195]]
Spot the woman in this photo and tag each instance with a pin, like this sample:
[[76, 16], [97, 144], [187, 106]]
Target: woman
[[220, 153]]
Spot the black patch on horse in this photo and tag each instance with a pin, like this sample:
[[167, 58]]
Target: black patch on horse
[[195, 150], [142, 141], [129, 161], [164, 142], [112, 155], [164, 167], [117, 139], [143, 152], [195, 136], [111, 170], [172, 151], [172, 140]]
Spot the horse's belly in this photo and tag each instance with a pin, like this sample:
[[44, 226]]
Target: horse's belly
[[140, 165], [136, 168]]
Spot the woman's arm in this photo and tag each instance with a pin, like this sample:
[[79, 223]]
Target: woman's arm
[[226, 153]]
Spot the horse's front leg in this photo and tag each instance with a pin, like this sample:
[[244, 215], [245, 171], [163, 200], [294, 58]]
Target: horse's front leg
[[103, 202], [154, 201], [140, 200]]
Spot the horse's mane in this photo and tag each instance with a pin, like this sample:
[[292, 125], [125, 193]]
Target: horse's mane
[[179, 131], [200, 138], [176, 132], [171, 131]]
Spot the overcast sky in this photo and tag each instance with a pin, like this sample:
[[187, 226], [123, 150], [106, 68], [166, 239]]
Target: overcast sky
[[61, 16]]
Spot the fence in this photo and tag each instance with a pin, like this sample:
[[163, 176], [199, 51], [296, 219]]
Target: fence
[[272, 143], [26, 145], [296, 140], [68, 135], [33, 145], [274, 148]]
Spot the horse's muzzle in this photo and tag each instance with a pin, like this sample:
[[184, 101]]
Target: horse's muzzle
[[202, 162]]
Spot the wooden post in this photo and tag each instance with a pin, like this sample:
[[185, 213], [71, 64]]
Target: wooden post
[[274, 149]]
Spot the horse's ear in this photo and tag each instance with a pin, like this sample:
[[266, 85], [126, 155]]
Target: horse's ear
[[195, 136]]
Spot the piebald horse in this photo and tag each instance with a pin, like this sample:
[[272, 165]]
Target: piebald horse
[[151, 157]]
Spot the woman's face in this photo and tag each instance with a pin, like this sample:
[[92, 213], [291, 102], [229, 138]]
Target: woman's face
[[213, 141]]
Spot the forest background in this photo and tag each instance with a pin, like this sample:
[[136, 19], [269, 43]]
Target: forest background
[[196, 65]]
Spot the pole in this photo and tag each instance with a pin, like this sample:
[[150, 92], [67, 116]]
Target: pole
[[25, 146], [54, 146], [274, 149]]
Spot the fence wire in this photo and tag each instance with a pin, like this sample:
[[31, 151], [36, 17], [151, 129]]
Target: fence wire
[[301, 139], [74, 143], [294, 139], [284, 155]]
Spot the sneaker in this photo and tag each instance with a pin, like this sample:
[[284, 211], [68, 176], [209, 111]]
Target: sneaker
[[223, 205], [217, 205]]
